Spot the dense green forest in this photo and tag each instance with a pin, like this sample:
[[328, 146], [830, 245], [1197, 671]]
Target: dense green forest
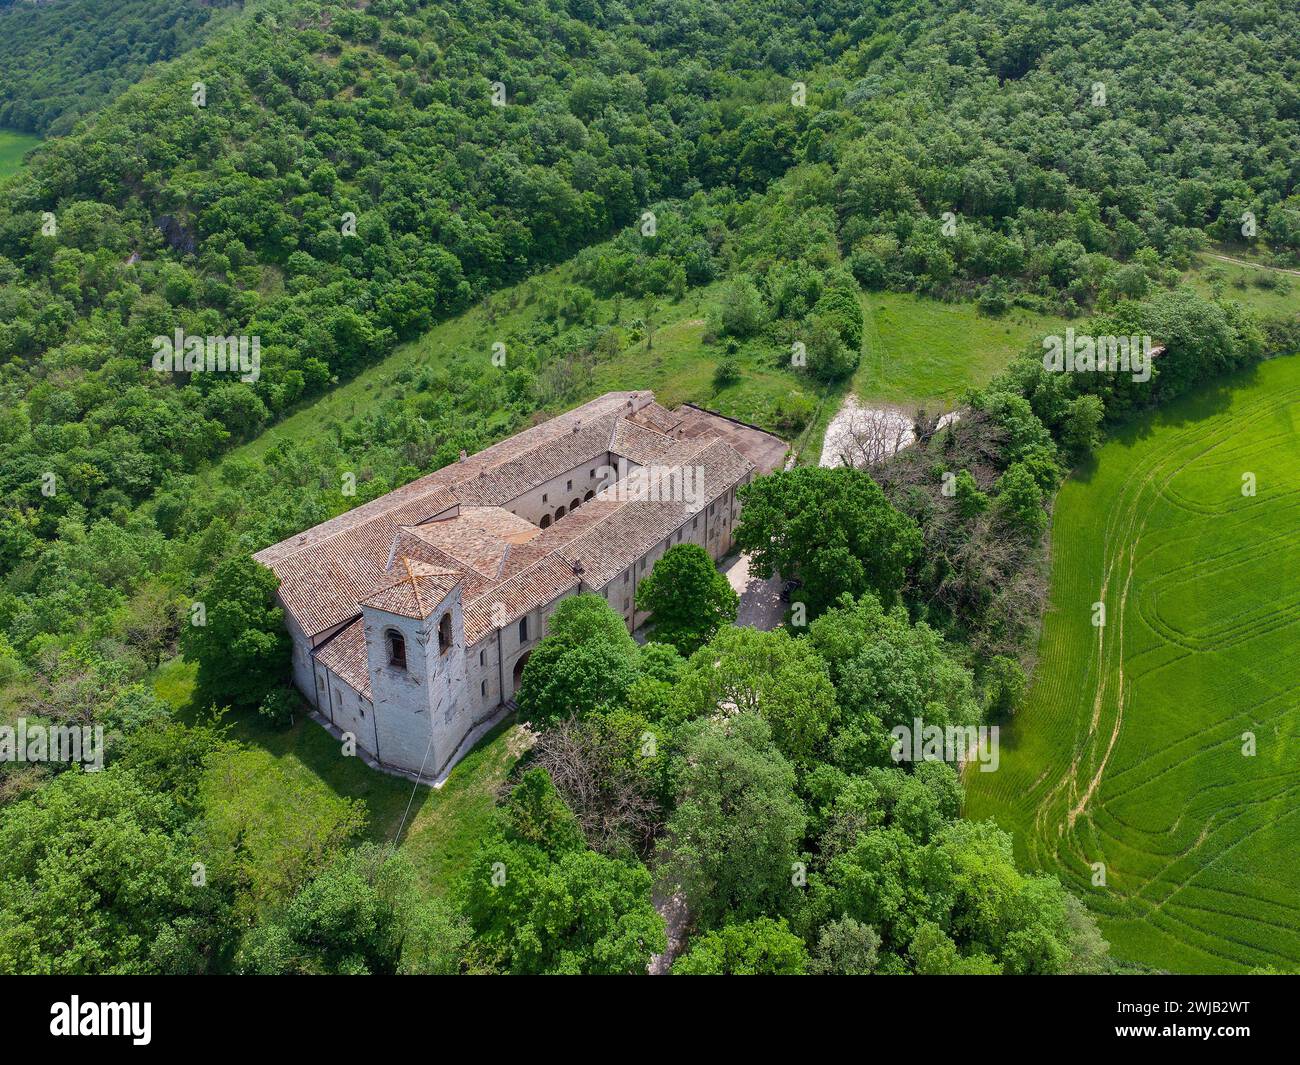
[[61, 61], [335, 179]]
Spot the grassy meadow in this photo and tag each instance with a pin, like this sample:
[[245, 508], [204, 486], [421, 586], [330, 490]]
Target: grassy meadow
[[1132, 753], [438, 829], [13, 146], [1267, 292], [919, 349], [678, 365]]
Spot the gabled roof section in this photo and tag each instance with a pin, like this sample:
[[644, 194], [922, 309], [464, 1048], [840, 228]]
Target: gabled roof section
[[345, 655], [619, 540], [549, 577], [413, 503], [556, 536], [641, 445], [322, 582], [652, 416], [586, 441], [328, 569]]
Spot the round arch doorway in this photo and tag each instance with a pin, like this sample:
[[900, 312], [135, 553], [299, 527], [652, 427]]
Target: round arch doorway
[[517, 674]]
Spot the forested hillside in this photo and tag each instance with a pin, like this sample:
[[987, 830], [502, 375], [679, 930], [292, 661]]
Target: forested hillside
[[60, 61], [335, 179]]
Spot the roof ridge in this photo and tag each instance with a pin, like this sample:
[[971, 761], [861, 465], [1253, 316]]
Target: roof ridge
[[444, 479], [415, 586]]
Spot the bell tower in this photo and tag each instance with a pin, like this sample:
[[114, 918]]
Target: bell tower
[[415, 651]]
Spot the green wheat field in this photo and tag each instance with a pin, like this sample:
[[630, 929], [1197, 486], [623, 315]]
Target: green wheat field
[[1130, 749]]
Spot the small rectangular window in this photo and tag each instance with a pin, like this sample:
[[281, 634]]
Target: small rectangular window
[[695, 522], [523, 630], [480, 658], [568, 486], [483, 689], [543, 497], [625, 573]]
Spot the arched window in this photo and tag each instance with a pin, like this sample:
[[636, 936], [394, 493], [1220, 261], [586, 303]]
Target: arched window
[[573, 506], [545, 523], [444, 634], [559, 513], [396, 649], [589, 495]]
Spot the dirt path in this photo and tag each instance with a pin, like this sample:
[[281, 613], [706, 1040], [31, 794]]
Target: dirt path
[[1257, 266]]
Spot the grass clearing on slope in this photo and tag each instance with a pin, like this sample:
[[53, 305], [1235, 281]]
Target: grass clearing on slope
[[13, 146], [444, 825], [919, 349], [1129, 750], [1243, 284]]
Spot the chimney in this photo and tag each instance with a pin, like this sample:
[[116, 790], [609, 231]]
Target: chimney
[[577, 425], [463, 455]]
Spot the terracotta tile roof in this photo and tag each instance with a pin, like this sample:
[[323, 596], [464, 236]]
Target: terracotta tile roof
[[585, 441], [326, 570], [549, 577], [724, 466], [655, 417], [404, 551], [408, 546], [562, 532], [321, 584], [345, 655], [622, 538], [640, 445], [479, 537], [434, 492], [424, 498], [417, 592], [765, 451]]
